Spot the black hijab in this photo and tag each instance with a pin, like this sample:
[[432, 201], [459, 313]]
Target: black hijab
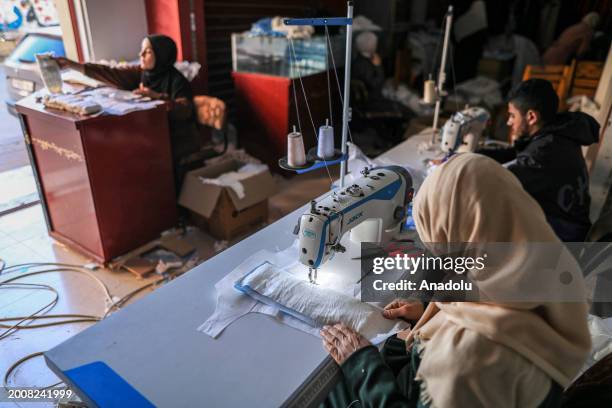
[[164, 78]]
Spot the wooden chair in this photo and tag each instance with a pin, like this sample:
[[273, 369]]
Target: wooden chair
[[586, 78], [559, 75]]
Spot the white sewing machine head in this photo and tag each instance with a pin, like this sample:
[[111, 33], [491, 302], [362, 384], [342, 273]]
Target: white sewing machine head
[[381, 193], [461, 133]]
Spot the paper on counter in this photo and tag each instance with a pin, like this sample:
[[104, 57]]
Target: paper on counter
[[118, 102]]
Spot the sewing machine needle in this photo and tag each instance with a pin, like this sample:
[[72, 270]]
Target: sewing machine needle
[[312, 275]]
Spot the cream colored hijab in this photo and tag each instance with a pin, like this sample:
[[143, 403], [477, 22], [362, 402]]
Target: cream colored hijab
[[478, 353]]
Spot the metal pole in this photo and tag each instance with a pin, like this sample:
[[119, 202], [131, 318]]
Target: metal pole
[[442, 73], [347, 88]]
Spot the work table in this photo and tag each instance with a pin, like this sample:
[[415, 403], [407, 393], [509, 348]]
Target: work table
[[150, 352]]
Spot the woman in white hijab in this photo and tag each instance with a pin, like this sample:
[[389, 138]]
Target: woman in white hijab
[[505, 353]]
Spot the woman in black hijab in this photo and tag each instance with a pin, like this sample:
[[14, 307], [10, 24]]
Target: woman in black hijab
[[157, 78], [158, 72]]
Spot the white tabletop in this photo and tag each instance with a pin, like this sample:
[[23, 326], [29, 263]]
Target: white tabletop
[[153, 348]]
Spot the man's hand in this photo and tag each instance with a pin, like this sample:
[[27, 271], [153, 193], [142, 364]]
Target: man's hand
[[376, 59], [148, 92], [404, 309], [341, 341]]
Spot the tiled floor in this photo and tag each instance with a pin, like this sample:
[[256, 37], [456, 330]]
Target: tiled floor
[[18, 187], [23, 238]]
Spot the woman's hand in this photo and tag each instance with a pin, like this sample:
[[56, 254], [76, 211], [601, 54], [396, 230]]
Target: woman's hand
[[148, 92], [65, 63], [404, 309], [341, 341]]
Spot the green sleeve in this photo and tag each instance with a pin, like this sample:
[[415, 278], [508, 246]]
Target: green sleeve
[[371, 380]]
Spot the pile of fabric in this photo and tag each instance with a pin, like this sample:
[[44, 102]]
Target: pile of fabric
[[233, 179]]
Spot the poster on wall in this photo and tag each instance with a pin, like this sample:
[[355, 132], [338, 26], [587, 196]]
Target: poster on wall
[[16, 15]]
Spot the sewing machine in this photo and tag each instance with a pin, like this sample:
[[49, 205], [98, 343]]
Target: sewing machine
[[382, 194], [461, 133]]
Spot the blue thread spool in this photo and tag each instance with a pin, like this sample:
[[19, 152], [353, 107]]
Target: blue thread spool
[[325, 146]]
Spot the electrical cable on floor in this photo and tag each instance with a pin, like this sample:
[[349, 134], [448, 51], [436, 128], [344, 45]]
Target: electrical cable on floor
[[8, 284], [14, 268], [119, 303], [111, 302], [109, 297], [7, 375], [4, 285], [59, 323]]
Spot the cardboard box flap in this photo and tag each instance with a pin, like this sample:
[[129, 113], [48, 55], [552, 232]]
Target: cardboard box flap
[[256, 189], [200, 197]]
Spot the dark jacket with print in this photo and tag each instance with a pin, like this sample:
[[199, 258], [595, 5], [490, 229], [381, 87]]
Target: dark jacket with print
[[551, 167]]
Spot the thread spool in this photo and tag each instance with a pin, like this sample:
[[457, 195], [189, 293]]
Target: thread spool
[[325, 146], [429, 91], [296, 156]]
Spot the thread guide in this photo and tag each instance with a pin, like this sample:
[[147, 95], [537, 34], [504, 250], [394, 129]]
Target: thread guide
[[341, 157]]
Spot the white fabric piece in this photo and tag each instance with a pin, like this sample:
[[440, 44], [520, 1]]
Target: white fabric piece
[[601, 339], [315, 305], [232, 304], [232, 179], [608, 323]]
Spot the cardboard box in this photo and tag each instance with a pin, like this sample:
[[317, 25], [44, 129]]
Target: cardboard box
[[218, 209]]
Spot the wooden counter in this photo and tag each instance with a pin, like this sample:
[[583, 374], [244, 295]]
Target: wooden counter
[[105, 182]]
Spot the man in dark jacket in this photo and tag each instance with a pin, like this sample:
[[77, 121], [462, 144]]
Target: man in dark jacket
[[547, 156]]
